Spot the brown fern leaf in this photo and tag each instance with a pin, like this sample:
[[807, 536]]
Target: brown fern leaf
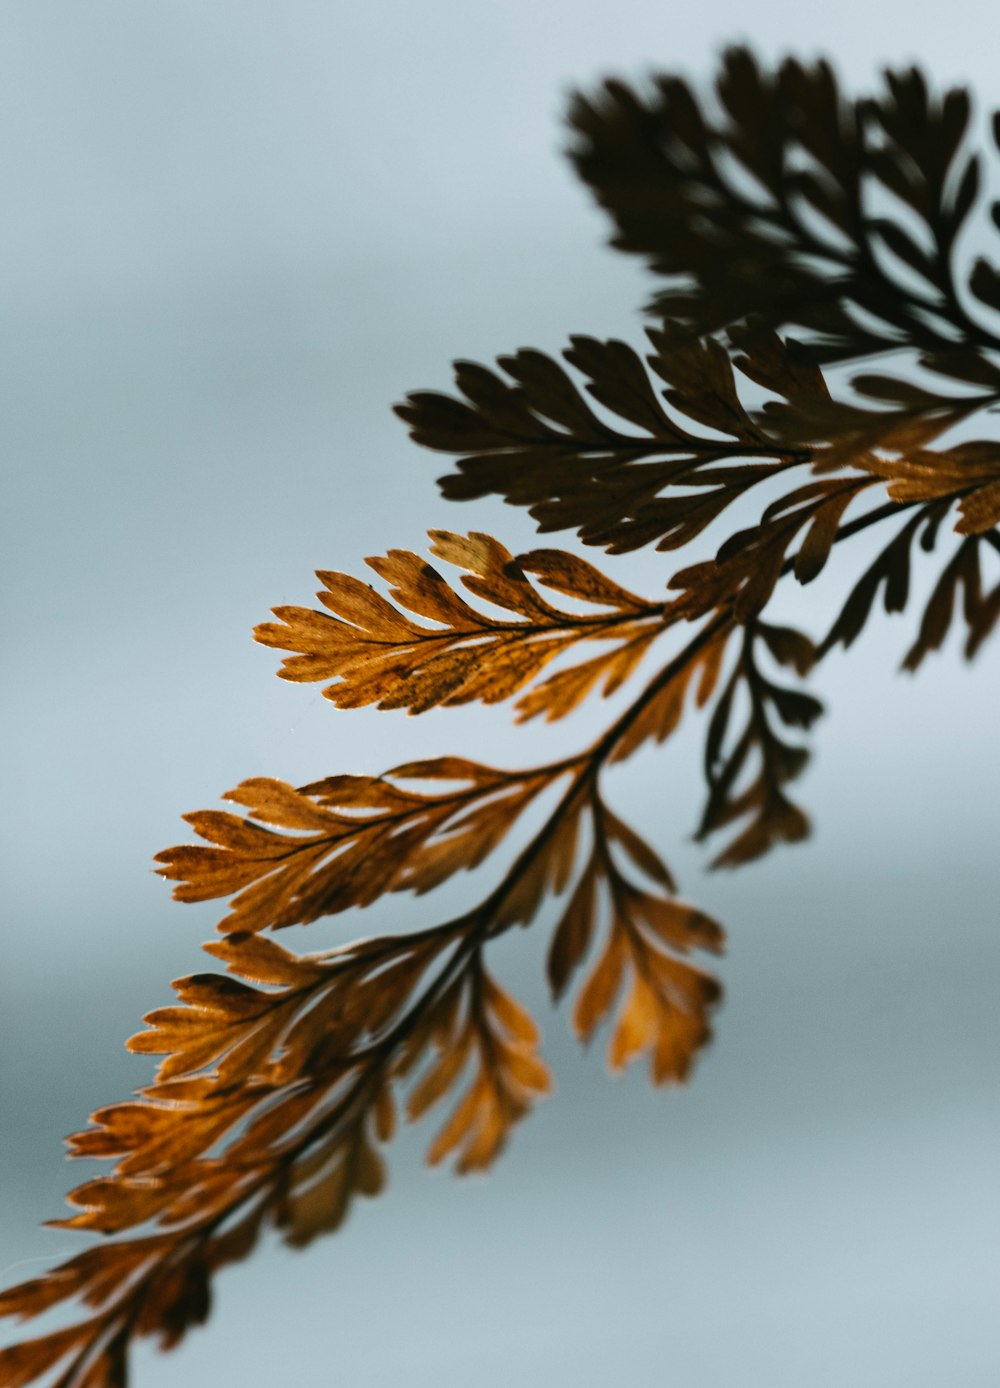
[[743, 574], [347, 840], [697, 667], [667, 1000], [980, 609], [280, 1079], [376, 654], [245, 1064], [968, 473], [535, 441], [737, 791], [277, 1084], [893, 442], [477, 1024], [31, 1360], [276, 1119], [908, 414], [762, 212], [267, 1109], [889, 571]]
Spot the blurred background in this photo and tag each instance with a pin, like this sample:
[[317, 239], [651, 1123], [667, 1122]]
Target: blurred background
[[232, 235]]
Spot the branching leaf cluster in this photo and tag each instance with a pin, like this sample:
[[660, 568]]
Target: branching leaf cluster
[[794, 233]]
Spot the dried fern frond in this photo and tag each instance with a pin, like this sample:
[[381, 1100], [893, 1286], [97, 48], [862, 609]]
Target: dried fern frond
[[787, 207], [280, 1078], [785, 203], [378, 655], [537, 443], [350, 839]]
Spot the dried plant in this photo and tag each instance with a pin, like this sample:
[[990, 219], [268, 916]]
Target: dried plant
[[796, 234]]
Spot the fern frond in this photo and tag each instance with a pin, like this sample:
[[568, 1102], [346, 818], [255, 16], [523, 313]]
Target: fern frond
[[349, 839], [378, 655], [779, 205], [279, 1079], [748, 770], [534, 441], [787, 209], [980, 609]]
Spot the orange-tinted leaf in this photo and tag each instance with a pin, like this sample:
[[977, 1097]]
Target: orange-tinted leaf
[[376, 654], [23, 1363]]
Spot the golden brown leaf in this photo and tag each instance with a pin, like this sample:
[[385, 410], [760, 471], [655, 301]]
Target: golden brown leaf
[[362, 837], [491, 1033], [376, 654], [23, 1363], [280, 1079], [699, 664], [667, 1001]]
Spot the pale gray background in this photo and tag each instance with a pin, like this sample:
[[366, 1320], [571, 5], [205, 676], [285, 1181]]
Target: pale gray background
[[232, 234]]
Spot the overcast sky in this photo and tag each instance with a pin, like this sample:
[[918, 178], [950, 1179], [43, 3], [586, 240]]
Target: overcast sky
[[233, 234]]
